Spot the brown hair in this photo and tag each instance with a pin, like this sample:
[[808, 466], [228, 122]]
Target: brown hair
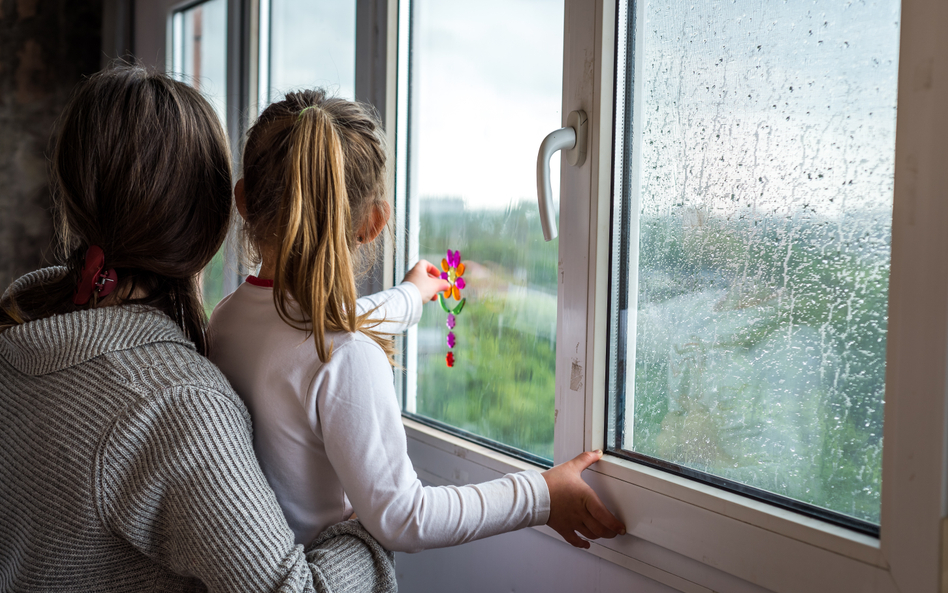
[[314, 172], [141, 167]]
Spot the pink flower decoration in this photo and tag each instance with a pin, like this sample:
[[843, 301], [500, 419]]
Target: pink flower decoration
[[451, 340], [451, 321], [454, 258], [451, 270]]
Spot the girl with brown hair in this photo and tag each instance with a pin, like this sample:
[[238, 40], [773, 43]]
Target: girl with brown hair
[[315, 369], [127, 459]]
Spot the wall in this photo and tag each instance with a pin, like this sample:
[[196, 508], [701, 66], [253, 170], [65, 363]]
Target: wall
[[46, 46], [524, 561]]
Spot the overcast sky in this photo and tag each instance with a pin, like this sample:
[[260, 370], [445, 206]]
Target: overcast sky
[[766, 106]]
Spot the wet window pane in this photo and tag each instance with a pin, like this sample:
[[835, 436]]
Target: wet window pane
[[311, 44], [199, 57], [754, 244], [484, 93]]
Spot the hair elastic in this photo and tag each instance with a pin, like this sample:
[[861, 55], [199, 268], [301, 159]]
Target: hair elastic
[[304, 110], [93, 278]]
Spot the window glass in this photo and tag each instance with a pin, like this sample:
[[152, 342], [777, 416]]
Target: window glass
[[199, 57], [484, 91], [751, 247], [311, 44]]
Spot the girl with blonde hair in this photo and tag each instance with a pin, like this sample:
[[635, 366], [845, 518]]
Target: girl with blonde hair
[[315, 367]]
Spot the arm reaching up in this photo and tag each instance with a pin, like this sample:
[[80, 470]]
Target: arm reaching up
[[400, 306]]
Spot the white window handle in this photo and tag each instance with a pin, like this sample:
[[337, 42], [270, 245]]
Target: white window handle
[[572, 140]]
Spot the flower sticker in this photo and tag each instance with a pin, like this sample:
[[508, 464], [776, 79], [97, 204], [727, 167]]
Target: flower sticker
[[452, 270]]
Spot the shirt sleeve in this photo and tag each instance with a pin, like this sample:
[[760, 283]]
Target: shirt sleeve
[[400, 307], [360, 423], [177, 479]]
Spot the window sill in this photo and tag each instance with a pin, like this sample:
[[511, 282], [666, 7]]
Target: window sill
[[684, 534]]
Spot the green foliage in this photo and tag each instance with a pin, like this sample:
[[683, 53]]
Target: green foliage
[[212, 282], [503, 383]]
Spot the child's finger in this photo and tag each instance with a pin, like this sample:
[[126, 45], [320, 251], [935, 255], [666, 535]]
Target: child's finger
[[433, 272], [600, 513], [584, 460], [573, 539], [586, 532], [597, 529]]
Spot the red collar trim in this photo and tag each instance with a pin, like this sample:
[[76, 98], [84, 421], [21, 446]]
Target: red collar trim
[[258, 282]]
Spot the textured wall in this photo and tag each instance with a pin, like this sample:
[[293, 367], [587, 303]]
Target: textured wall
[[45, 48]]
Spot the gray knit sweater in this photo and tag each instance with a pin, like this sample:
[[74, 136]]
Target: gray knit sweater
[[126, 464]]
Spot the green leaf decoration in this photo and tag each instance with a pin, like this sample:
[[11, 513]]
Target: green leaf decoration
[[444, 304]]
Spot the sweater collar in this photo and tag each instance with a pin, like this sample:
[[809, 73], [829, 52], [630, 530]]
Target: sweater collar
[[61, 341], [259, 282]]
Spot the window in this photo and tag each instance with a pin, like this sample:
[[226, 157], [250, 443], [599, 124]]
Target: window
[[709, 534], [481, 93], [752, 242]]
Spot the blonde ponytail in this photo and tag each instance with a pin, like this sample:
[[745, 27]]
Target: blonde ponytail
[[306, 171]]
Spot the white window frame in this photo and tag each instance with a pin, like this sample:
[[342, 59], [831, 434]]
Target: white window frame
[[696, 537]]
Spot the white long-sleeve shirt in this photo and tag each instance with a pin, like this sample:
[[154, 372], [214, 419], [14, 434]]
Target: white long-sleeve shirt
[[329, 436]]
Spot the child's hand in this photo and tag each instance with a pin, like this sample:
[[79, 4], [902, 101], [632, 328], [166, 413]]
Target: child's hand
[[575, 507], [427, 279]]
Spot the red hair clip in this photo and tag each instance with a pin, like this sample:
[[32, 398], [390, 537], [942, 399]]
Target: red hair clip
[[94, 278]]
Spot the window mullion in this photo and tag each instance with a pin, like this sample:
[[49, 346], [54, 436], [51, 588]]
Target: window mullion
[[241, 38], [377, 83], [600, 183], [574, 375], [914, 456], [406, 382]]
